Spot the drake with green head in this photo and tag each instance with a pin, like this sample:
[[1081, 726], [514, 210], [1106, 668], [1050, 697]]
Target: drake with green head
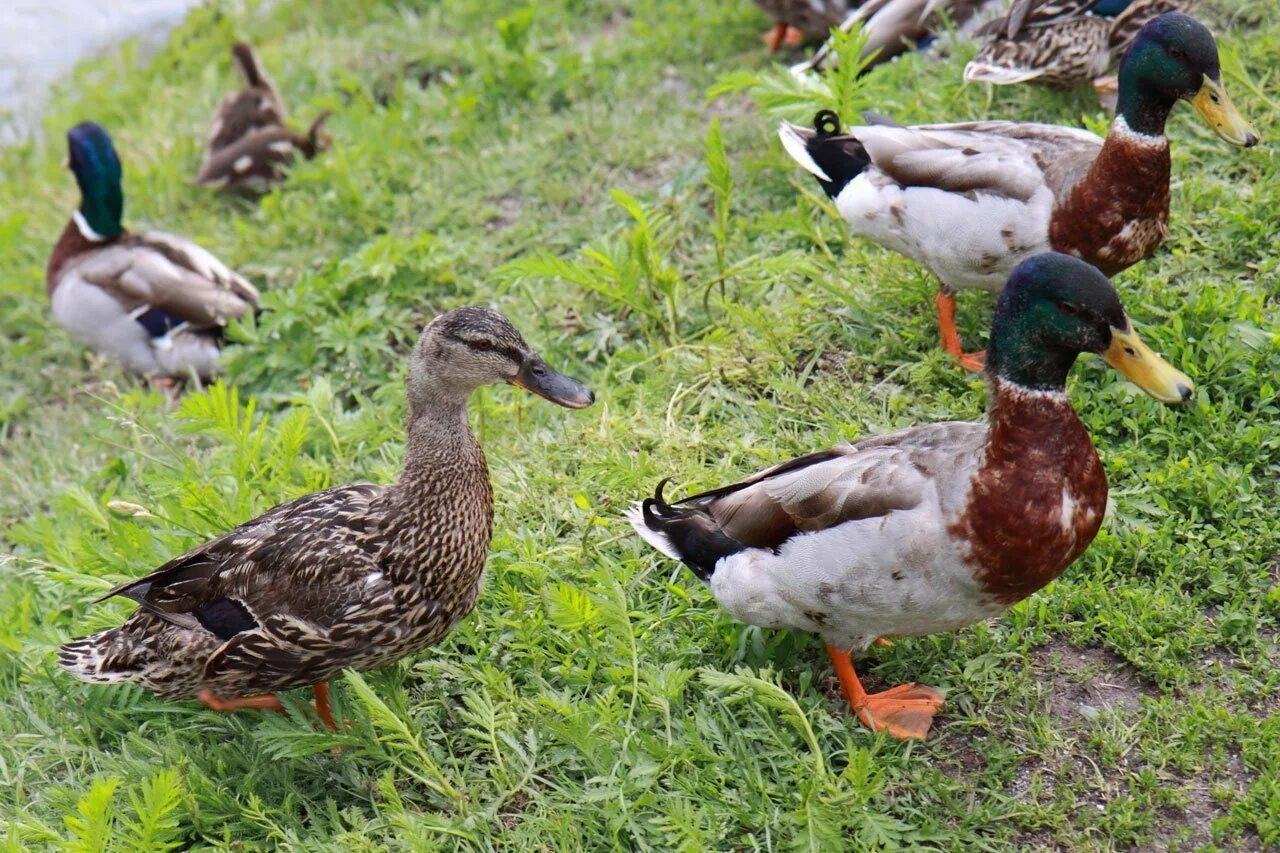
[[970, 201], [154, 301], [935, 527]]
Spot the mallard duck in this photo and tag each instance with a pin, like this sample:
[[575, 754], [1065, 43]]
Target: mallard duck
[[798, 21], [156, 302], [969, 201], [935, 527], [1062, 42], [254, 163], [355, 576], [249, 144], [255, 107], [893, 27]]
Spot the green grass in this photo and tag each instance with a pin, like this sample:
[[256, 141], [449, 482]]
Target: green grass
[[562, 165]]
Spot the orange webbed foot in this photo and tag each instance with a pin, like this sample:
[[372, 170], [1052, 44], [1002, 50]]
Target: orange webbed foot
[[265, 702], [905, 711], [775, 36], [946, 305]]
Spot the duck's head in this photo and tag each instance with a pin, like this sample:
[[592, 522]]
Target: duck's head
[[468, 347], [1174, 57], [93, 159], [1055, 307]]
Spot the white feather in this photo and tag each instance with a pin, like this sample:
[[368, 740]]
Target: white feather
[[658, 540], [798, 148]]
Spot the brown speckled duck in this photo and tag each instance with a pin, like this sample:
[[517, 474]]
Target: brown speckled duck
[[249, 143], [352, 577], [969, 201], [930, 528]]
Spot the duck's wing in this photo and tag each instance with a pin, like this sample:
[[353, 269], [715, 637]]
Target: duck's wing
[[292, 562], [258, 160], [1127, 23], [1055, 41], [167, 281], [813, 493], [1011, 159]]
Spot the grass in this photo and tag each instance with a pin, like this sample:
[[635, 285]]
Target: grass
[[563, 165]]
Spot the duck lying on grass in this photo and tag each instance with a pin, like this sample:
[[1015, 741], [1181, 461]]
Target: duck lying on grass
[[969, 201], [355, 576], [935, 527], [156, 302], [249, 143]]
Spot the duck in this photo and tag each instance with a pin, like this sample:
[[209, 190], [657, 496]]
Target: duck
[[257, 161], [356, 576], [893, 27], [799, 21], [1061, 43], [935, 527], [255, 106], [156, 302], [249, 143], [970, 201]]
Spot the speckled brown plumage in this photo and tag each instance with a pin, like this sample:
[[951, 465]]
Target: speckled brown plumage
[[353, 577], [256, 106], [257, 161]]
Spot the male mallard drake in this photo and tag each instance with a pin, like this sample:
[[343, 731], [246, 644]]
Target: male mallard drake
[[355, 576], [156, 302], [969, 201], [935, 527], [249, 144], [1062, 42], [798, 21]]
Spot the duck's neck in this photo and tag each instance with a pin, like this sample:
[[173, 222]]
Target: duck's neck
[[76, 239], [440, 443], [1139, 109]]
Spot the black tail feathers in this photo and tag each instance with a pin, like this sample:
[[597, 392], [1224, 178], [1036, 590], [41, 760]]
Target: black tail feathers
[[692, 532]]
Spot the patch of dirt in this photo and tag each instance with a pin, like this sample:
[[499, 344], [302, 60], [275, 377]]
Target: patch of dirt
[[1084, 683], [510, 206], [1202, 808]]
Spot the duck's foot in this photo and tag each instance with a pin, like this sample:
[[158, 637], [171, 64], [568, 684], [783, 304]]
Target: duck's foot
[[883, 643], [905, 711], [323, 709], [782, 35], [265, 702], [946, 305]]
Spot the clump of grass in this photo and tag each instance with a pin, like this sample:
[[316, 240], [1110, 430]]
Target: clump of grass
[[566, 169]]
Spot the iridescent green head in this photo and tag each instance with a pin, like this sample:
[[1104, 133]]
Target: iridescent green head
[[97, 169], [1174, 57], [1055, 307]]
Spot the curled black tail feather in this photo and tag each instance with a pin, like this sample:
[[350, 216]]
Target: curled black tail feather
[[692, 532]]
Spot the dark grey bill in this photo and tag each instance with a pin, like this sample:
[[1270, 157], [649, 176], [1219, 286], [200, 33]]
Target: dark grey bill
[[539, 379]]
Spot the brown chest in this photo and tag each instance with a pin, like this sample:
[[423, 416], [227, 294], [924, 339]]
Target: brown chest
[[1038, 500], [1118, 214]]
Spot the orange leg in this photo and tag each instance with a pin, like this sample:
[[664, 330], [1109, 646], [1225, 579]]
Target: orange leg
[[774, 37], [946, 305], [883, 643], [905, 711], [323, 708], [265, 702], [793, 37]]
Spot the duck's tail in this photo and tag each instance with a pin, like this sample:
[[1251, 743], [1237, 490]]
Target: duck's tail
[[108, 657], [833, 158], [246, 60], [986, 69], [689, 534]]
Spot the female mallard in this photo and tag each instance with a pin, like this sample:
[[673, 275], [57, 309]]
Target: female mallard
[[354, 576], [969, 201], [256, 106], [798, 21], [249, 144], [1062, 42], [935, 527], [156, 302]]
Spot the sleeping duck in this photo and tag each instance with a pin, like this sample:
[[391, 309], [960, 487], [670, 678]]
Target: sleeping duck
[[935, 527], [969, 201], [1063, 42], [156, 302], [249, 143], [355, 576]]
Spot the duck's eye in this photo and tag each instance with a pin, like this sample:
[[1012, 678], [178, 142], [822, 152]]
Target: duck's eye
[[1069, 309], [482, 345]]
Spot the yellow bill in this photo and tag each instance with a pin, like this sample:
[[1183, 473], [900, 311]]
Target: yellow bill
[[1137, 361], [1214, 105]]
